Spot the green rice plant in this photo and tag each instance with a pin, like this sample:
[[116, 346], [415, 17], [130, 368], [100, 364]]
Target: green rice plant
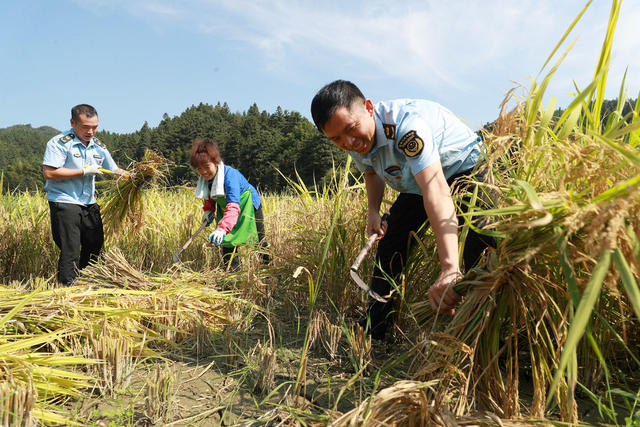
[[327, 242], [558, 297]]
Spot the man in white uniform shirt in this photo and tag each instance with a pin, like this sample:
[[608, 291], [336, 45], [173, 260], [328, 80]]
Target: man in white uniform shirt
[[71, 161], [419, 148]]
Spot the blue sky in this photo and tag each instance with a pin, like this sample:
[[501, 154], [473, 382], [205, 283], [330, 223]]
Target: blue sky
[[135, 60]]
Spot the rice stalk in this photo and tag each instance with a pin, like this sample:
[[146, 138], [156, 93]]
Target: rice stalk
[[330, 335], [231, 346], [203, 341], [324, 243], [360, 347], [26, 247], [122, 200], [407, 403], [331, 339], [185, 300], [113, 327], [323, 335], [31, 379], [316, 324], [118, 362], [567, 200], [264, 377], [114, 271], [446, 360], [411, 403], [160, 392], [17, 402]]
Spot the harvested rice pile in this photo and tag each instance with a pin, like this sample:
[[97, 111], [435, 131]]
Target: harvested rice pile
[[58, 344]]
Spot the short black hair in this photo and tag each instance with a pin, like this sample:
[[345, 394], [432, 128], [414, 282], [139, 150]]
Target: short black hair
[[340, 93], [84, 109]]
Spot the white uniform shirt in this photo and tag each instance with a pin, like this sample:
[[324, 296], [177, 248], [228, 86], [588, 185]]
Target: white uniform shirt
[[412, 134], [66, 150]]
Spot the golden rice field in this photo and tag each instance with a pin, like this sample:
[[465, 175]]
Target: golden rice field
[[548, 332]]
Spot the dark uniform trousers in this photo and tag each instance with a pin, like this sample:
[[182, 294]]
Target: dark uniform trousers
[[77, 231], [407, 215]]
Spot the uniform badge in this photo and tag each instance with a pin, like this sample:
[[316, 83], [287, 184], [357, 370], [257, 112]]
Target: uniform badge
[[76, 155], [389, 131], [97, 156], [98, 142], [411, 144], [68, 137]]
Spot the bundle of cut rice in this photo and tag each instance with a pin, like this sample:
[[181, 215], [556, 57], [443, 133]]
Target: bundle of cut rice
[[414, 403], [122, 200]]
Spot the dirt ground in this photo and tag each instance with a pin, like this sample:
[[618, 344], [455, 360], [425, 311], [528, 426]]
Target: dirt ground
[[249, 378], [238, 379]]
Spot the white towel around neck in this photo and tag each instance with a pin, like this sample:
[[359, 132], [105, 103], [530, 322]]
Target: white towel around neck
[[203, 191]]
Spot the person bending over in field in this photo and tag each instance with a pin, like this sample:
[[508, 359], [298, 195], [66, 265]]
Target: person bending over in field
[[231, 200], [71, 161], [419, 148]]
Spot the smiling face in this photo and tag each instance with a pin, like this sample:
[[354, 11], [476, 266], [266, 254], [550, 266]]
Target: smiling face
[[208, 170], [354, 128], [85, 127]]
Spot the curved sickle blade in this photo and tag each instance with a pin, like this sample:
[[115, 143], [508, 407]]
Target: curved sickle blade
[[364, 287]]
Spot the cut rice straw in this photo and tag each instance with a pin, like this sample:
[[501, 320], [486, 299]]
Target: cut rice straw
[[122, 202]]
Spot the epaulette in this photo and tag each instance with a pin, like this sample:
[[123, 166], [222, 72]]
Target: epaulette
[[389, 131], [68, 137], [98, 142]]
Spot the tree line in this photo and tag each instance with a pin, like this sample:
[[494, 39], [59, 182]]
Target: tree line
[[263, 146]]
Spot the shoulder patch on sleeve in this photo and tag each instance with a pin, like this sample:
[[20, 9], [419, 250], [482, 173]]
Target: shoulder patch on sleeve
[[411, 144], [389, 131], [98, 142], [66, 138]]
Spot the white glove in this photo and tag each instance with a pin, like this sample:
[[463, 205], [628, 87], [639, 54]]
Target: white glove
[[124, 174], [91, 170], [207, 216], [217, 236]]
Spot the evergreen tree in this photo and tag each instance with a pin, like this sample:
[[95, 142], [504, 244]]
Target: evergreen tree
[[259, 144]]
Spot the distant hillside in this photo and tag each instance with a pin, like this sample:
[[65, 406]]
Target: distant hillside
[[255, 142], [21, 150]]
